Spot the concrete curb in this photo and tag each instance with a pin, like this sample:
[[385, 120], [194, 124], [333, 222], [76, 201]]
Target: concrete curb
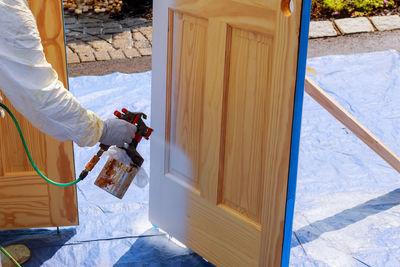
[[338, 27]]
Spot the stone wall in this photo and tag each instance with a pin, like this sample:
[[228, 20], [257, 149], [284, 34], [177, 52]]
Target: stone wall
[[98, 6]]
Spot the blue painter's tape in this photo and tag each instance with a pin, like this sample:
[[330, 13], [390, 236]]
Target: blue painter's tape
[[294, 151]]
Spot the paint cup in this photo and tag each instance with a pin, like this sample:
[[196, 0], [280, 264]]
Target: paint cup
[[116, 177]]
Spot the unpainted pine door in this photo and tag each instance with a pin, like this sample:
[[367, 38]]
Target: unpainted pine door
[[224, 76], [26, 201]]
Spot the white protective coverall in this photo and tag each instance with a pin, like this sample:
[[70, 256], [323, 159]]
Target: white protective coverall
[[32, 85]]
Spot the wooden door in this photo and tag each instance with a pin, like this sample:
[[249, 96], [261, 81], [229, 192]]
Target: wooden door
[[26, 201], [224, 79]]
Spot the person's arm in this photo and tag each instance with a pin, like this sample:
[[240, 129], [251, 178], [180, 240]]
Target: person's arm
[[32, 85]]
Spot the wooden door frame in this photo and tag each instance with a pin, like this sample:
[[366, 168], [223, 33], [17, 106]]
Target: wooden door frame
[[296, 129]]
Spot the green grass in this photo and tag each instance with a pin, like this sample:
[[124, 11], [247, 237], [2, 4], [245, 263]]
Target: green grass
[[353, 7]]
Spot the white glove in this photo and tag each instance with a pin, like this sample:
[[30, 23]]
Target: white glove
[[2, 114], [117, 132]]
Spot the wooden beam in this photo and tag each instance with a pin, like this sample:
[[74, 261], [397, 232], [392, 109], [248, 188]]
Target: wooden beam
[[351, 123]]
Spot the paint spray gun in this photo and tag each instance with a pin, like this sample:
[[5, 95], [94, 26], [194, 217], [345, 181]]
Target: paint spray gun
[[120, 169]]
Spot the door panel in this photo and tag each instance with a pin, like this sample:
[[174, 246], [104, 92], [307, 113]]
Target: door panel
[[243, 128], [224, 76], [26, 201], [185, 91]]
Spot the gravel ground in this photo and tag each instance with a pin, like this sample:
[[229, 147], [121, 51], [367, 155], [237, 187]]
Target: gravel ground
[[98, 68], [353, 44]]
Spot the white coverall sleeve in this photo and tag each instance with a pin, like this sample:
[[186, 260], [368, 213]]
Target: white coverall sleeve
[[32, 85]]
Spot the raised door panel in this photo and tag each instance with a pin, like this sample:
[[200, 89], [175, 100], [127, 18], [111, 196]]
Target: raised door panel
[[26, 200]]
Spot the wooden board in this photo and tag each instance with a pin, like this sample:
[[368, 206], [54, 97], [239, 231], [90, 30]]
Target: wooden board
[[352, 124], [26, 201], [224, 77]]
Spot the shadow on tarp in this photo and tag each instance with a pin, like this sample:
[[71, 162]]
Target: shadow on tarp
[[347, 217], [43, 243], [153, 249]]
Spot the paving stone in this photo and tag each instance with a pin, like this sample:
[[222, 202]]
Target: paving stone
[[112, 30], [93, 25], [116, 54], [386, 23], [86, 56], [93, 31], [102, 16], [145, 27], [148, 31], [75, 34], [122, 43], [89, 20], [68, 50], [101, 45], [142, 44], [125, 29], [131, 52], [70, 20], [89, 38], [72, 58], [71, 39], [73, 26], [102, 55], [92, 37], [322, 29], [133, 21], [20, 252], [138, 36], [145, 51], [80, 47], [354, 25], [145, 24], [111, 25], [126, 34], [107, 37]]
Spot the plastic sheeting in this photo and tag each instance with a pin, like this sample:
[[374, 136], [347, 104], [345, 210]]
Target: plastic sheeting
[[347, 203], [347, 210], [111, 232]]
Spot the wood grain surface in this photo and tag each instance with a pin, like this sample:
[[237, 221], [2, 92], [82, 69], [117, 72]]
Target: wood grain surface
[[185, 91], [26, 200], [224, 75], [244, 149]]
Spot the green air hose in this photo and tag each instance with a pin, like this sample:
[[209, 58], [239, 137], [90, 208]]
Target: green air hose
[[29, 155], [6, 252]]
